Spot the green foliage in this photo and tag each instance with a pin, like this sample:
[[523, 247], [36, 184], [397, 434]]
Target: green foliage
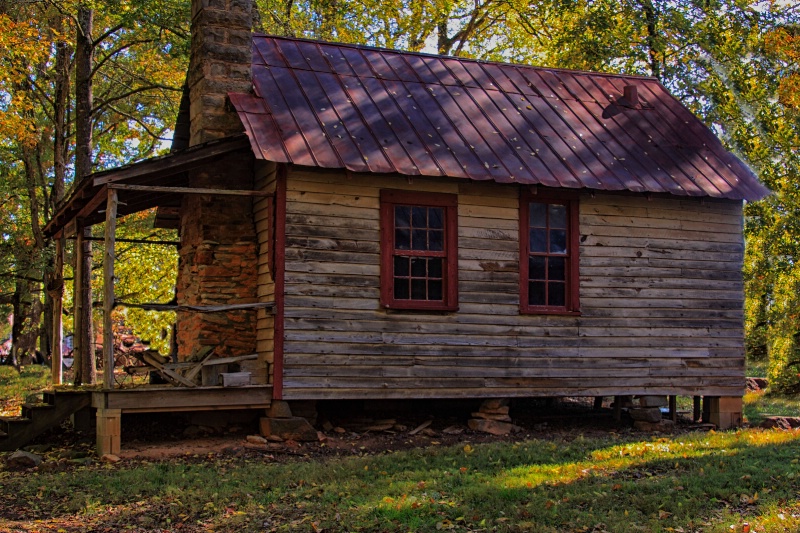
[[139, 64], [146, 273]]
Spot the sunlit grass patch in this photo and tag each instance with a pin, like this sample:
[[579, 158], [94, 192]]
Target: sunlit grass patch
[[16, 386], [688, 482], [759, 405]]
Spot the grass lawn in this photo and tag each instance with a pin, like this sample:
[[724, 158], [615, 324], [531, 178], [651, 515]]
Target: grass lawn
[[711, 482], [745, 480], [15, 386]]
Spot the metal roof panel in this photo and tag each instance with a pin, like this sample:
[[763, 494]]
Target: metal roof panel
[[384, 111]]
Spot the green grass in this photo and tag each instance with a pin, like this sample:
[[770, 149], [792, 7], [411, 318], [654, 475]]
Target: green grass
[[691, 482], [757, 369], [758, 406], [15, 386]]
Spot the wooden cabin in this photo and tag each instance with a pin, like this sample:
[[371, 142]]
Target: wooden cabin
[[376, 224]]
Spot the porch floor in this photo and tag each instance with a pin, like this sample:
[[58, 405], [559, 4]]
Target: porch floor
[[153, 399]]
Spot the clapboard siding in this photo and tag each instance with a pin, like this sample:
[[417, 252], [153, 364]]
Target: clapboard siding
[[661, 299], [265, 180]]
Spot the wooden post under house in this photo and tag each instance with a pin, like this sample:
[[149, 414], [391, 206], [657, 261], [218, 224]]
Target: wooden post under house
[[108, 290], [58, 306], [78, 336]]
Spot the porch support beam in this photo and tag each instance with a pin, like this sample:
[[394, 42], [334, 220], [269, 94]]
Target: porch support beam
[[84, 366], [58, 306], [186, 190], [108, 290]]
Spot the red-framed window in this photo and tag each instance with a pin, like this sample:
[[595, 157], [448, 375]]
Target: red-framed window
[[419, 250], [549, 242]]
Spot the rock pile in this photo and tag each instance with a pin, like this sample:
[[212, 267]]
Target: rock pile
[[492, 417], [647, 415]]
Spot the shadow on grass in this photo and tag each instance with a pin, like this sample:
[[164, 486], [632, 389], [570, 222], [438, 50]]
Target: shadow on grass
[[694, 482]]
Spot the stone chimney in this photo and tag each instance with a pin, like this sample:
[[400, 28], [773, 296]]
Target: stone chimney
[[218, 253], [220, 63]]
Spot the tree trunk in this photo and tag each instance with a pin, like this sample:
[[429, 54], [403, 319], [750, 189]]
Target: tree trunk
[[83, 94], [651, 18], [60, 104], [85, 361], [16, 327], [87, 371]]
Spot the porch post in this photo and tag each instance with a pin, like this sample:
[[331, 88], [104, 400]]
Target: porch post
[[58, 303], [78, 336], [108, 290]]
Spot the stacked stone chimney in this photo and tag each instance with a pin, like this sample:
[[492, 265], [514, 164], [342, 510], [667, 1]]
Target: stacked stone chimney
[[220, 63], [218, 263]]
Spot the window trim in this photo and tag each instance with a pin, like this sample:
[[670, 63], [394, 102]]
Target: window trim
[[390, 198], [572, 289]]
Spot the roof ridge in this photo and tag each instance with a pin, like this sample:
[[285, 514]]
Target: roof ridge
[[457, 58]]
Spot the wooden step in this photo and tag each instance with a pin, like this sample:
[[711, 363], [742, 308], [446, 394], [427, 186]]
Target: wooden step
[[43, 416], [9, 423], [28, 409]]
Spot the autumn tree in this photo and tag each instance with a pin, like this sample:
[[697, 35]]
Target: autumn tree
[[137, 52]]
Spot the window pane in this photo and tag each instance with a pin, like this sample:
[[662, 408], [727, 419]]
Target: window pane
[[558, 216], [537, 215], [401, 266], [558, 241], [418, 267], [556, 294], [436, 240], [556, 270], [536, 293], [536, 267], [435, 267], [538, 240], [435, 290], [436, 218], [419, 239], [401, 288], [402, 216], [402, 239], [418, 289], [419, 217]]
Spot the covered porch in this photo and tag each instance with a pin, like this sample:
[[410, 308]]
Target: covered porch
[[163, 183]]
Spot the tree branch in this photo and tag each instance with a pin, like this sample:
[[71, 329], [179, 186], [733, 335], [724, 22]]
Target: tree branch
[[131, 92]]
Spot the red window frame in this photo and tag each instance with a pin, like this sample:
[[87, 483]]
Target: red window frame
[[449, 289], [271, 240], [571, 259]]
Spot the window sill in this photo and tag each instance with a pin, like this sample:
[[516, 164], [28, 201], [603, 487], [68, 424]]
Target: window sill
[[548, 311], [395, 306]]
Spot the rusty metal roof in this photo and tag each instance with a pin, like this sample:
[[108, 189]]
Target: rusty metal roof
[[384, 111]]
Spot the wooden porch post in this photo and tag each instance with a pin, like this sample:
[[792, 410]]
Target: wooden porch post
[[108, 290], [78, 335], [58, 305]]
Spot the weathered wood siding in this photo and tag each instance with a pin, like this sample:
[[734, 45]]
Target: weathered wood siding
[[265, 174], [661, 300]]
